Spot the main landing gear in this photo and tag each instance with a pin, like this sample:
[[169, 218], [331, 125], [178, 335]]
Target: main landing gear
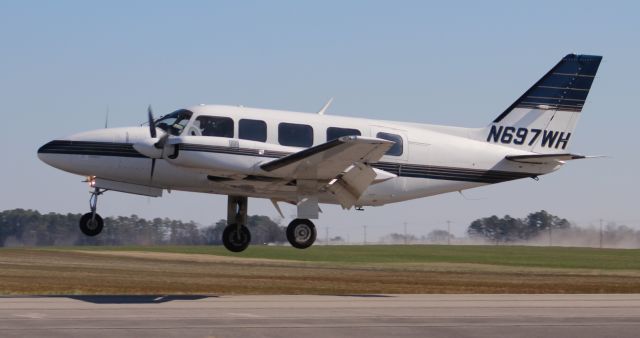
[[236, 236], [301, 232], [91, 223]]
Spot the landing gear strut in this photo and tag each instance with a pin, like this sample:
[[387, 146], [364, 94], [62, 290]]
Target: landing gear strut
[[301, 233], [236, 236], [91, 223]]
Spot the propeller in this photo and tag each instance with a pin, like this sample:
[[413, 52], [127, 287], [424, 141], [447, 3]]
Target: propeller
[[152, 127], [153, 132], [159, 144], [152, 147]]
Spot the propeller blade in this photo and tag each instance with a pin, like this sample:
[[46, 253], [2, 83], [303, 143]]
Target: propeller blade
[[159, 145], [152, 132], [152, 127], [153, 168]]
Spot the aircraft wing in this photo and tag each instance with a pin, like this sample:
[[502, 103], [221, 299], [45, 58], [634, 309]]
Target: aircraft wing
[[339, 167], [544, 158], [328, 160]]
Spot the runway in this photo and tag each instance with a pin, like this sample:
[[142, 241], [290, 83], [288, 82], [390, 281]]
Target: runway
[[322, 316]]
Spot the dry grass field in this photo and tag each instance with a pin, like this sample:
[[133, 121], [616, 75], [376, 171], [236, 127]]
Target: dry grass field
[[319, 270]]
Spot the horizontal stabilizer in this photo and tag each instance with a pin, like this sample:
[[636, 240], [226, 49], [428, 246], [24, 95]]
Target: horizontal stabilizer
[[544, 158]]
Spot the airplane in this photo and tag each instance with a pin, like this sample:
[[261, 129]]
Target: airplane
[[310, 159]]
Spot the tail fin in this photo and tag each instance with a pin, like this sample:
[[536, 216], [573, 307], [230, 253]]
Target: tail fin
[[544, 117]]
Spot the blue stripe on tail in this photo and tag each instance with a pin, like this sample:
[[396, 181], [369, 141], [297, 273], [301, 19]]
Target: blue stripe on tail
[[565, 87]]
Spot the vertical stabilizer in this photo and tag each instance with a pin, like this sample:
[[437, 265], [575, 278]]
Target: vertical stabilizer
[[543, 119]]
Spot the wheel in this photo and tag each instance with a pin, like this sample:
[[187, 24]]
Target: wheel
[[301, 233], [236, 238], [91, 225]]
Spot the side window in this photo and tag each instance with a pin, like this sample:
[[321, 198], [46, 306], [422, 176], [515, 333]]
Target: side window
[[396, 149], [214, 126], [335, 132], [295, 135], [254, 130]]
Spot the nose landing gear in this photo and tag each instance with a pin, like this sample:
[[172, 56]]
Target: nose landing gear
[[91, 223], [236, 236]]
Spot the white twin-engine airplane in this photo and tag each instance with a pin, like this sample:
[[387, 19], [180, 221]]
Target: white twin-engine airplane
[[308, 159]]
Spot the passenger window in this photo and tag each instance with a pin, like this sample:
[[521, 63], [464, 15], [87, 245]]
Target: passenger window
[[335, 132], [214, 126], [254, 130], [396, 149], [295, 135]]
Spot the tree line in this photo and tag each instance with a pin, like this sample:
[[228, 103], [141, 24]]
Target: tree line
[[537, 228], [542, 228], [508, 229], [20, 227]]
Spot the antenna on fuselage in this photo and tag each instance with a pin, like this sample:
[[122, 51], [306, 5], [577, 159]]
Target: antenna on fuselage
[[106, 118], [325, 107], [469, 198]]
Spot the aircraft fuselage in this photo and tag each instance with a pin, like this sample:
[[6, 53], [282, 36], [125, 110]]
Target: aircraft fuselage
[[433, 159]]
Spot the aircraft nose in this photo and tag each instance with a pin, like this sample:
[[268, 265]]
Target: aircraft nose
[[43, 150], [46, 153]]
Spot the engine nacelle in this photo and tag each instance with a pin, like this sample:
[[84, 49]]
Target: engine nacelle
[[222, 154]]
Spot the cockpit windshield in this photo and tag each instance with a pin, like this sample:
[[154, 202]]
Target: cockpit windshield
[[175, 122]]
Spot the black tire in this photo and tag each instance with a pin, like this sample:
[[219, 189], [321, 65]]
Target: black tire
[[236, 239], [301, 233], [90, 225]]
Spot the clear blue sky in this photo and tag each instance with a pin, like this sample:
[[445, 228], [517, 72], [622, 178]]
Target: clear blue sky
[[455, 63]]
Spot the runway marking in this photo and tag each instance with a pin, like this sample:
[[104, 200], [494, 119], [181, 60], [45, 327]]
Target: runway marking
[[245, 315], [331, 325], [31, 315]]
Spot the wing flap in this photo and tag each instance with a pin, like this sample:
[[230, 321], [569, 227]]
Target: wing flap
[[348, 187]]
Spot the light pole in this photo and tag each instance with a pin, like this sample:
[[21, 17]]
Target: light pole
[[364, 227], [327, 234], [601, 233], [405, 233]]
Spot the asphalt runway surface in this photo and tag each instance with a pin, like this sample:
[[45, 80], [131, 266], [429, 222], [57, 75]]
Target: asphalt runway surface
[[322, 316]]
